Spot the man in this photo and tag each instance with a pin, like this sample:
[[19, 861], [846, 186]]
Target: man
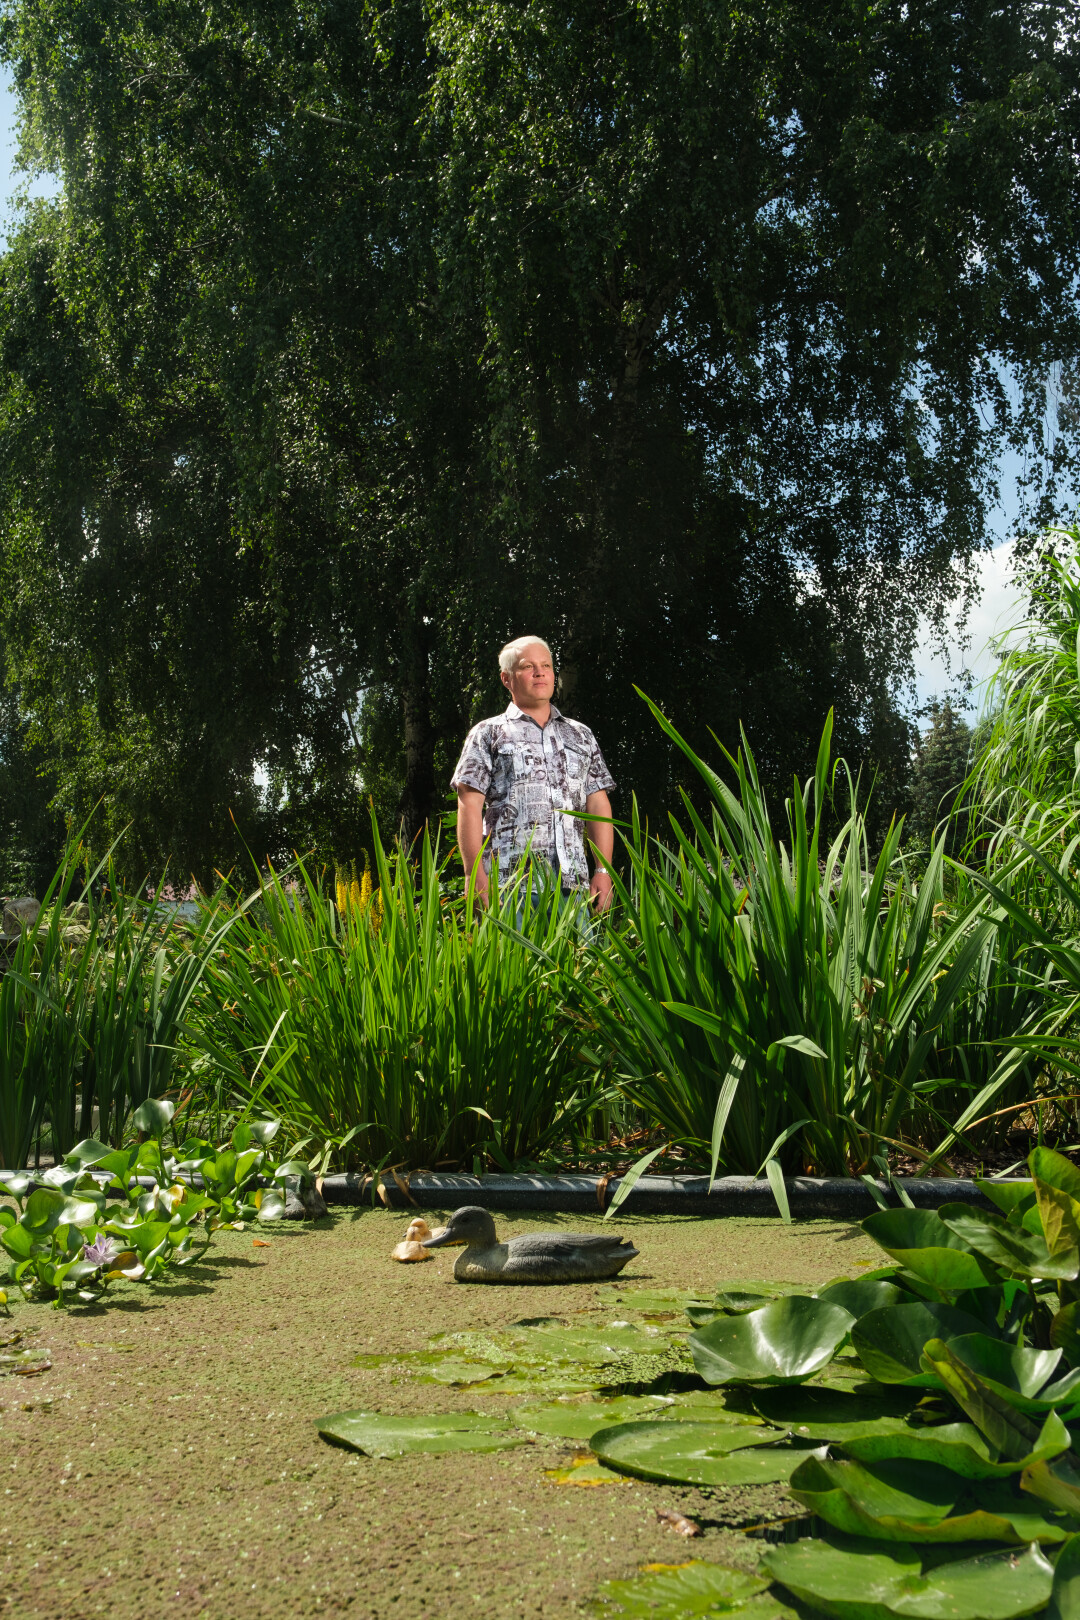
[[518, 775]]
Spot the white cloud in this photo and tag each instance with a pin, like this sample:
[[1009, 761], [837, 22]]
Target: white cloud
[[999, 607]]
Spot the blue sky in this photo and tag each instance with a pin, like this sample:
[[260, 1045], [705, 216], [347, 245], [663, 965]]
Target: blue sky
[[999, 604]]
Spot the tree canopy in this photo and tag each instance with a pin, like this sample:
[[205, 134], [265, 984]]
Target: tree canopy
[[360, 340]]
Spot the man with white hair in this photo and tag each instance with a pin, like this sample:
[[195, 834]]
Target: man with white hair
[[521, 772]]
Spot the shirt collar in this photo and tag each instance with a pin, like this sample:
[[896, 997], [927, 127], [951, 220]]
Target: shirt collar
[[514, 713]]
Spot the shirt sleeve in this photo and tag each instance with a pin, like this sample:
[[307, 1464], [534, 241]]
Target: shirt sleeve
[[599, 779], [473, 769]]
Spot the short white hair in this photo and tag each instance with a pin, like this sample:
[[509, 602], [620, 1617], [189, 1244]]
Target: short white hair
[[513, 650]]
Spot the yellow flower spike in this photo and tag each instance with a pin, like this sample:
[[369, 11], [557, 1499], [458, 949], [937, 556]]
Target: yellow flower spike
[[363, 893]]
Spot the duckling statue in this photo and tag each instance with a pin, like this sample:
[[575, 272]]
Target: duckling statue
[[542, 1257], [412, 1248]]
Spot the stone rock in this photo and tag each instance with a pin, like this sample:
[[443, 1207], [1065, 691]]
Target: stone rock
[[303, 1201], [19, 914]]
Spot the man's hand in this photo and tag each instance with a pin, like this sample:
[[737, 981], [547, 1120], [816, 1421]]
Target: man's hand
[[600, 889], [470, 837], [601, 835]]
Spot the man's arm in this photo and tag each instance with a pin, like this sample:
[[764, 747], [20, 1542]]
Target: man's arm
[[470, 837], [601, 834]]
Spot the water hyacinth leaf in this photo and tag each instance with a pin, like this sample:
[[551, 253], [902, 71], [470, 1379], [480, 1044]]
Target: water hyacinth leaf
[[1059, 1224], [1057, 1483], [924, 1245], [270, 1204], [783, 1342], [696, 1453], [686, 1591], [42, 1212], [863, 1294], [903, 1500], [831, 1414], [153, 1116], [1017, 1252], [579, 1420], [889, 1342], [1007, 1195], [377, 1435], [959, 1446], [863, 1580], [1065, 1595]]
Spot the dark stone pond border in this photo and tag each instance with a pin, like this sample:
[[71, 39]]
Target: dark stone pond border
[[810, 1198]]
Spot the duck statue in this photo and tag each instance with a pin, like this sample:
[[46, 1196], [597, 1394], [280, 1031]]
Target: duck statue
[[540, 1257]]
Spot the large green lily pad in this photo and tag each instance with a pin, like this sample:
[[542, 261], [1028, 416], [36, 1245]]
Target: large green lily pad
[[903, 1500], [958, 1446], [783, 1342], [696, 1453], [863, 1580], [683, 1592], [921, 1242], [813, 1413], [889, 1342], [579, 1420], [378, 1435], [863, 1294], [1019, 1374]]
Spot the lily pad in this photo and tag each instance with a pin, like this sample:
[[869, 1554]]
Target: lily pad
[[863, 1294], [585, 1472], [903, 1500], [833, 1414], [958, 1446], [889, 1342], [783, 1342], [1020, 1374], [686, 1591], [696, 1453], [579, 1420], [863, 1580], [377, 1435], [924, 1245]]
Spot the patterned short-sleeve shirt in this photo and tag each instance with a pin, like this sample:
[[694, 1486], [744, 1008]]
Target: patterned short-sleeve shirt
[[529, 778]]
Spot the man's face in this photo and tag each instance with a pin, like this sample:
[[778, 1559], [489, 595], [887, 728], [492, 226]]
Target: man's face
[[532, 680]]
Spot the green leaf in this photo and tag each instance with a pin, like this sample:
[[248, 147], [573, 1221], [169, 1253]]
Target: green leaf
[[1054, 1170], [153, 1116], [378, 1435], [1020, 1374], [579, 1420], [1007, 1195], [1065, 1596], [1065, 1332], [42, 1212], [921, 1241], [1008, 1430], [863, 1294], [696, 1453], [783, 1342], [271, 1205], [864, 1580], [87, 1153], [686, 1591], [904, 1500], [831, 1414], [959, 1446], [1018, 1253], [629, 1180], [889, 1342]]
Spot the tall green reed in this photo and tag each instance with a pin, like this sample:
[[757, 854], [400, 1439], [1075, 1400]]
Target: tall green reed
[[776, 1001], [415, 1029]]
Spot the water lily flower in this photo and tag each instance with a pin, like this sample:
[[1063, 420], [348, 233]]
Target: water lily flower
[[101, 1252]]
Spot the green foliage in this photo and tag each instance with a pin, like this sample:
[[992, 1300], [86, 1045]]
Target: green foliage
[[694, 314], [778, 999], [92, 1220], [412, 1028], [942, 763]]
